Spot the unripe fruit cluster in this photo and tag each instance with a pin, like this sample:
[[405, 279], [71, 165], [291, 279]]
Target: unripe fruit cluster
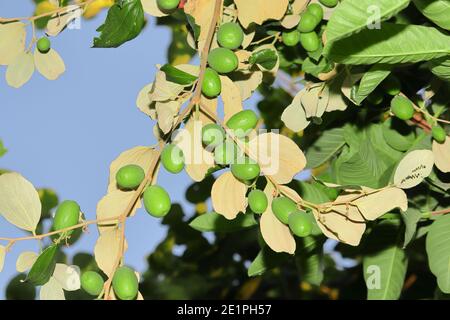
[[287, 212]]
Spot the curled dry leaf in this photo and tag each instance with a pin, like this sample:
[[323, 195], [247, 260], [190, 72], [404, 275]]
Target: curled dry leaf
[[275, 234], [413, 168], [201, 11], [294, 116], [19, 201], [2, 257], [166, 113], [231, 97], [13, 37], [20, 70], [258, 11], [52, 290], [50, 64], [25, 261], [60, 21], [141, 156], [278, 156], [164, 90], [106, 250], [151, 8], [441, 153], [67, 276], [315, 100], [144, 103], [228, 196]]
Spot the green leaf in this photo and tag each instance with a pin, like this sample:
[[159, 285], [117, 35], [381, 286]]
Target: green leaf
[[267, 58], [370, 81], [352, 16], [43, 268], [315, 68], [2, 148], [391, 44], [410, 218], [310, 260], [437, 11], [265, 260], [325, 147], [178, 76], [438, 250], [385, 263], [195, 27], [398, 134], [124, 22], [441, 68], [215, 222]]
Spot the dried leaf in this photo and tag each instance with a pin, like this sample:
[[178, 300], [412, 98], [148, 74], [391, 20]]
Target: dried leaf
[[228, 196], [20, 70], [60, 21], [278, 156], [50, 64], [441, 153], [13, 37], [26, 260], [67, 276], [201, 11], [166, 113], [413, 168], [290, 21], [248, 82], [151, 8], [299, 5], [294, 116], [258, 11], [374, 205], [164, 90], [144, 103], [52, 290], [19, 201], [231, 97], [106, 250]]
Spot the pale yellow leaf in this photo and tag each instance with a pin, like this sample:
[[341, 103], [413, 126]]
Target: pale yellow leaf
[[60, 21], [249, 34], [189, 68], [315, 100], [258, 11], [164, 90], [166, 113], [139, 296], [299, 5], [25, 261], [275, 234], [243, 56], [290, 21], [374, 205], [52, 290], [294, 116], [231, 97], [13, 36], [278, 156], [20, 70], [202, 11], [247, 82], [141, 156], [413, 168], [198, 160], [49, 64], [106, 250], [151, 8], [228, 196], [19, 201], [290, 193], [67, 276], [144, 103], [2, 257], [441, 153]]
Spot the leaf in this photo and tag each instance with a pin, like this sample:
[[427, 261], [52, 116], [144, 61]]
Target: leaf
[[258, 11], [214, 222], [264, 261], [352, 16], [277, 235], [441, 152], [410, 218], [123, 23], [266, 58], [441, 68], [328, 144], [141, 156], [438, 250], [60, 21], [19, 201], [13, 37], [370, 81], [3, 150], [310, 260], [163, 89], [385, 262], [176, 75], [2, 257], [413, 168], [20, 70], [437, 11], [43, 268], [374, 205], [26, 260], [166, 113], [391, 44], [50, 64], [278, 156], [247, 82], [52, 290], [67, 276], [231, 97], [201, 12], [113, 205], [151, 7], [106, 250], [294, 116], [228, 196]]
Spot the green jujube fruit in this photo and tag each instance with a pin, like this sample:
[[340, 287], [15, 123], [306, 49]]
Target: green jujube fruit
[[226, 153], [308, 22], [212, 135], [223, 60], [329, 3], [168, 5], [245, 169], [315, 9], [402, 108], [43, 45], [156, 201], [300, 223], [291, 38], [257, 201], [242, 122], [211, 86], [310, 41], [92, 283], [129, 177], [125, 284], [67, 215], [230, 35], [391, 85], [282, 207], [172, 158], [439, 134]]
